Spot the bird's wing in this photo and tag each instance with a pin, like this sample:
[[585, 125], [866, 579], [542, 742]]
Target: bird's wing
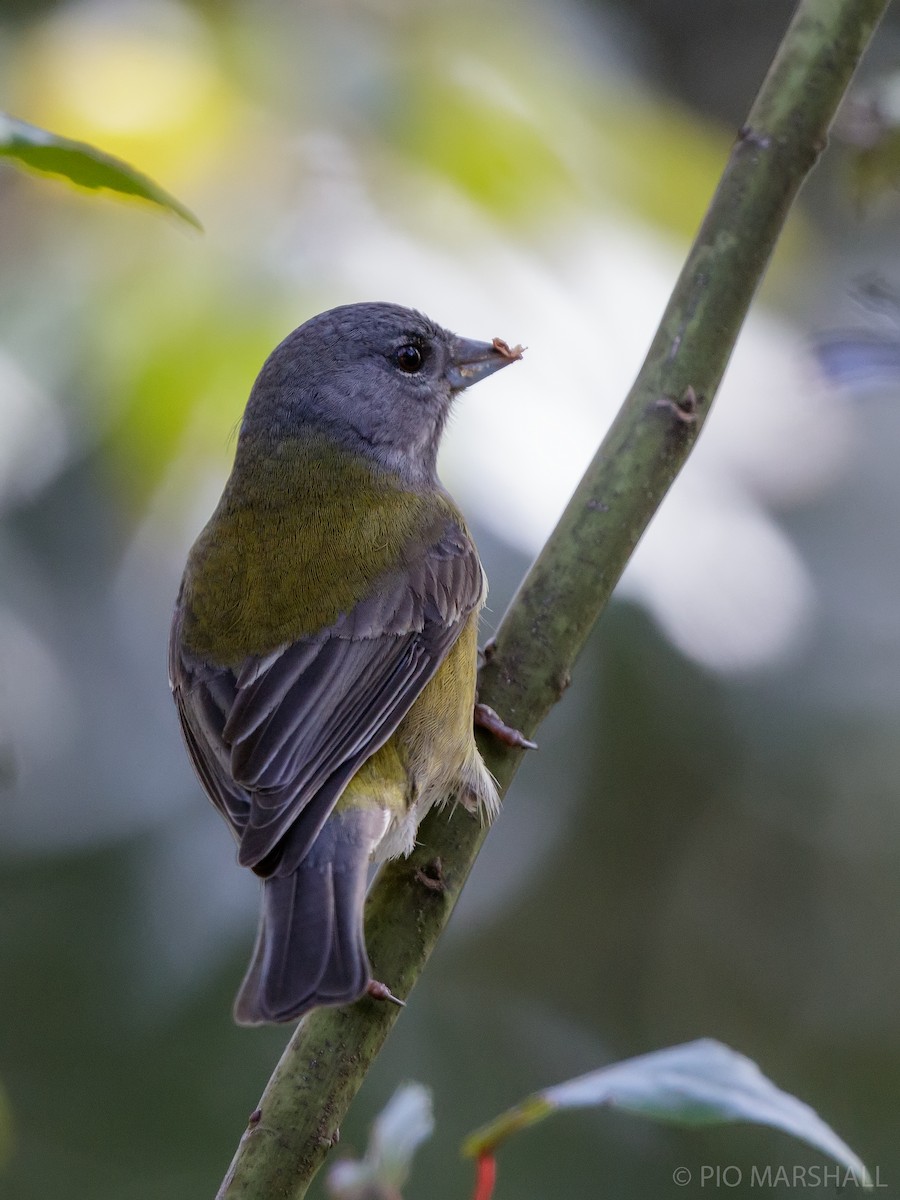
[[276, 740]]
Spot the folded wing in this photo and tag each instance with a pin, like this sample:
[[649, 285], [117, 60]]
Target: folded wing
[[275, 740]]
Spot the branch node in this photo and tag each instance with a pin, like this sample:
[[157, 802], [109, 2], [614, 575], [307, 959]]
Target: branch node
[[380, 991], [487, 652], [431, 876], [686, 407], [754, 137]]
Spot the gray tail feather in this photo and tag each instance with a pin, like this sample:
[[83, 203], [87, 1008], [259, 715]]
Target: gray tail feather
[[310, 948]]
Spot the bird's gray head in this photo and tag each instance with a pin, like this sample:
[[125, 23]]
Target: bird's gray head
[[377, 378]]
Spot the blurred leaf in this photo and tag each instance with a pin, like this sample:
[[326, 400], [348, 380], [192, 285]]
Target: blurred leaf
[[193, 372], [700, 1083], [857, 358], [870, 125], [524, 136], [82, 164], [494, 154], [397, 1133], [876, 169]]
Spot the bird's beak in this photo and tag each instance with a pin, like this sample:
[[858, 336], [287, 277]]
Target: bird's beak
[[471, 361]]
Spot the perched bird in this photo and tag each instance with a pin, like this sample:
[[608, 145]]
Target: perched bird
[[323, 648]]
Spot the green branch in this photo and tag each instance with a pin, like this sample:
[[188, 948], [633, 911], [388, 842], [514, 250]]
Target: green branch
[[564, 592]]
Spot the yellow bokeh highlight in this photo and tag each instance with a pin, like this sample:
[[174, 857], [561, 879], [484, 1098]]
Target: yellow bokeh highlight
[[139, 81], [121, 86]]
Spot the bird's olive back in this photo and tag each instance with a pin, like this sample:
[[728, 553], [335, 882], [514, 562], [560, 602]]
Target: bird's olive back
[[286, 556]]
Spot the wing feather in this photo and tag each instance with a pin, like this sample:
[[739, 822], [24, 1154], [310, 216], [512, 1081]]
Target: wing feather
[[276, 740]]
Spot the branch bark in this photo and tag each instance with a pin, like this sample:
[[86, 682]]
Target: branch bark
[[566, 589]]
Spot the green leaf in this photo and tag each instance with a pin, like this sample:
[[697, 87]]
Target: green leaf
[[82, 164], [700, 1083]]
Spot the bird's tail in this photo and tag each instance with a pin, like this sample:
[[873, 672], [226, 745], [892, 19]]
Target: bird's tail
[[310, 948]]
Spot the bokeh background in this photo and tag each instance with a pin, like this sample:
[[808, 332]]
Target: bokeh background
[[707, 841]]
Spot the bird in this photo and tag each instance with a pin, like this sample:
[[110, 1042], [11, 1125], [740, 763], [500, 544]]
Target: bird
[[323, 649]]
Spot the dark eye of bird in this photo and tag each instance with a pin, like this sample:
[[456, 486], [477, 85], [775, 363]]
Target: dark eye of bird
[[409, 358]]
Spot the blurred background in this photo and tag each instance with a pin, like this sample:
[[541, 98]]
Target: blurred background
[[707, 841]]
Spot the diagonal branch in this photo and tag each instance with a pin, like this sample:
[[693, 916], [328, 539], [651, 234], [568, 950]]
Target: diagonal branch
[[565, 591]]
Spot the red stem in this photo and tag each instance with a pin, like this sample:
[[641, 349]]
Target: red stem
[[485, 1177]]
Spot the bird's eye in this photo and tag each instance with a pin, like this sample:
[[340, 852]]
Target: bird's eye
[[409, 358]]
